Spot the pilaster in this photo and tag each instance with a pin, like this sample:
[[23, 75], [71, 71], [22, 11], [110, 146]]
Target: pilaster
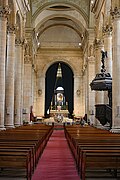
[[18, 82], [40, 95], [116, 71], [27, 86], [99, 95], [107, 35], [91, 94], [10, 71], [77, 96]]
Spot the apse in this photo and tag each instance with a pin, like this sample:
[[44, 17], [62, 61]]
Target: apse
[[59, 79]]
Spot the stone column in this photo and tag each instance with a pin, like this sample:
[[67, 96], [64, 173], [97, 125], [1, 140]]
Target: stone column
[[18, 82], [22, 79], [27, 88], [91, 94], [99, 95], [35, 93], [116, 71], [4, 11], [10, 71], [77, 96], [107, 34], [83, 93]]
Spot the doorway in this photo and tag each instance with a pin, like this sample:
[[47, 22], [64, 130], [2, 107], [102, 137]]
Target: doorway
[[59, 74]]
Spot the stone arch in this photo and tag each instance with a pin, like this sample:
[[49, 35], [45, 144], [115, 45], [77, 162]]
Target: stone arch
[[107, 18], [59, 59], [75, 5], [61, 24], [79, 21]]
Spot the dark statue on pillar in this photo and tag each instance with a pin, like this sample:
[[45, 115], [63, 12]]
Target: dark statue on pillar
[[103, 82], [104, 55]]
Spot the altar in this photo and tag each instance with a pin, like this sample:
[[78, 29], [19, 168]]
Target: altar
[[53, 113]]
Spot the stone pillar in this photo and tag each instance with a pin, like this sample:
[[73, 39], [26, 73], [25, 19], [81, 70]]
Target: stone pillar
[[83, 93], [107, 34], [27, 88], [18, 82], [22, 80], [4, 11], [10, 71], [99, 95], [116, 71], [91, 94], [34, 71], [77, 96]]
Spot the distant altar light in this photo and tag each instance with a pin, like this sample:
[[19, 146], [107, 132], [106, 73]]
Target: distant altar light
[[59, 71], [60, 89]]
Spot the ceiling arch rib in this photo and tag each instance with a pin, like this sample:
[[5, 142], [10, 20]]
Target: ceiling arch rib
[[60, 15], [46, 14], [81, 6]]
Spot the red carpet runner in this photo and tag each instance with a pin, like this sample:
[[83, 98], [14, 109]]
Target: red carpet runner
[[56, 162]]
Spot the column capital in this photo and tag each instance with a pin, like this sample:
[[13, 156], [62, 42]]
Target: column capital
[[107, 29], [28, 59], [11, 28], [91, 59], [115, 13], [18, 42], [4, 11], [98, 43]]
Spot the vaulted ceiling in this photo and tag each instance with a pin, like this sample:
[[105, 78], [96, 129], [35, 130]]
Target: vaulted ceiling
[[61, 17]]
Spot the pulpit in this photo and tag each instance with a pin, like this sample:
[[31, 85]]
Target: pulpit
[[103, 82]]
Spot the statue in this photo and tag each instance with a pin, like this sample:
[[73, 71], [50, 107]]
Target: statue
[[104, 55]]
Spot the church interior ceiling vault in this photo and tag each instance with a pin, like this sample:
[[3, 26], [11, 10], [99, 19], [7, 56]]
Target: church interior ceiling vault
[[68, 15]]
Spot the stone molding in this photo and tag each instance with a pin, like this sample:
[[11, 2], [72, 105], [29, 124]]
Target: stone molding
[[98, 43], [28, 59], [91, 50], [115, 13], [4, 11], [91, 59], [11, 28], [107, 29], [18, 42]]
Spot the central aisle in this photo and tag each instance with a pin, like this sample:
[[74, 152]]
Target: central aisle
[[56, 162]]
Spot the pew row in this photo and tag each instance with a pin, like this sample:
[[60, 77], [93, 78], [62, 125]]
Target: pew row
[[91, 147], [24, 145]]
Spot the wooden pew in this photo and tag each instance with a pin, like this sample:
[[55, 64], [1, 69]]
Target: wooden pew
[[16, 159], [99, 159], [82, 140], [24, 145]]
